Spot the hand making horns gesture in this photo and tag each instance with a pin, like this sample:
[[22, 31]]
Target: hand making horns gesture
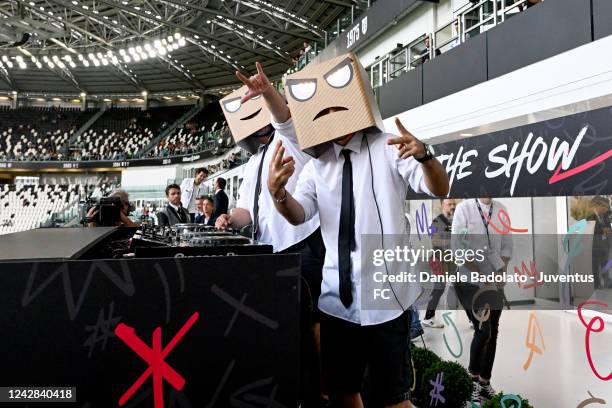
[[281, 169], [407, 144], [257, 84]]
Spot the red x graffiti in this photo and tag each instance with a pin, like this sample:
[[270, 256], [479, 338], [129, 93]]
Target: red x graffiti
[[154, 356]]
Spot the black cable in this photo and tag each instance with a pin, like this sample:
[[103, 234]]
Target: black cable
[[382, 234]]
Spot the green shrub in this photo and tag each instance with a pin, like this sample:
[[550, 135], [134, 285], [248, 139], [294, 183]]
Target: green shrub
[[456, 381], [495, 402], [422, 359]]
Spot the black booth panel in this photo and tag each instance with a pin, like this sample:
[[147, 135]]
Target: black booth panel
[[402, 94], [460, 68], [602, 18], [543, 31], [68, 324]]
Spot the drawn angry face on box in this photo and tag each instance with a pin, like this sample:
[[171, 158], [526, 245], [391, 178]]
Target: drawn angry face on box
[[330, 100], [244, 119]]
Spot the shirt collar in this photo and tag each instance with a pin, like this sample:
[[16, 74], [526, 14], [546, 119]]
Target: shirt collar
[[176, 207], [353, 145], [261, 147]]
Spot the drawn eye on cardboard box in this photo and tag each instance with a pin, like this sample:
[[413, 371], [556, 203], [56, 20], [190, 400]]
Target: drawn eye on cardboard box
[[244, 119], [329, 100]]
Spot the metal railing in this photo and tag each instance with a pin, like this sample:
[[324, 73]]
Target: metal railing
[[471, 21]]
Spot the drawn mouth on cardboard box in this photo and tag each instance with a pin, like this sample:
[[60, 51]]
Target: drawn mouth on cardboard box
[[252, 115], [329, 110]]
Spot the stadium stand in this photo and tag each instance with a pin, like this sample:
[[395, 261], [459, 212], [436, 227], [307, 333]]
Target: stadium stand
[[122, 133], [199, 133], [23, 207], [38, 133]]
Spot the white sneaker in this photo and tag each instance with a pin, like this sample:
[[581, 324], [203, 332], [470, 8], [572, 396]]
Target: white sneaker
[[476, 390], [433, 323], [487, 391]]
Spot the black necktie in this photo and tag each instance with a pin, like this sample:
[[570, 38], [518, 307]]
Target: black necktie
[[346, 233], [181, 215], [258, 189]]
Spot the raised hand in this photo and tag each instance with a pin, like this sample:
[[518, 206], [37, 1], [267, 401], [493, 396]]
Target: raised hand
[[281, 170], [257, 84], [407, 144]]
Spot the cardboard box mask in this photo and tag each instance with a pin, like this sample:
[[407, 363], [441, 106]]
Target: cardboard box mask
[[244, 119], [340, 83]]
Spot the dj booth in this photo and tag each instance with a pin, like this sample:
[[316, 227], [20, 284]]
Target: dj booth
[[149, 318]]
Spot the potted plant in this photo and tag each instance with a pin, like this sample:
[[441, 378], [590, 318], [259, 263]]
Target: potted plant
[[422, 359], [455, 380]]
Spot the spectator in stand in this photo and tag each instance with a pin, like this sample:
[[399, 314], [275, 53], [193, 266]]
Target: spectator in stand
[[221, 201], [427, 50], [232, 161]]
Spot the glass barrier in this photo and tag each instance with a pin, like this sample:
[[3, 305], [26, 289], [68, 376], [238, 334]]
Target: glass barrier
[[419, 51], [447, 37], [398, 63], [479, 18], [472, 21]]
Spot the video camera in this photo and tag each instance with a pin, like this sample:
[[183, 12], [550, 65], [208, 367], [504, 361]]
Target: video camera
[[108, 211]]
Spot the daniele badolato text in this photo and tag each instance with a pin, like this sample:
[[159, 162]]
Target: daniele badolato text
[[412, 265]]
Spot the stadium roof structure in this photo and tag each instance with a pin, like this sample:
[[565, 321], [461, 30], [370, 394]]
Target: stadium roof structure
[[129, 46]]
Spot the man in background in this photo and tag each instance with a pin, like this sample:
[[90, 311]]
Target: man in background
[[602, 234], [206, 211], [190, 190], [440, 239], [124, 220], [474, 217], [221, 201], [174, 212], [197, 218]]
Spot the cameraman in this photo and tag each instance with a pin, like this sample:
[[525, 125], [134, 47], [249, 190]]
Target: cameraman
[[124, 220]]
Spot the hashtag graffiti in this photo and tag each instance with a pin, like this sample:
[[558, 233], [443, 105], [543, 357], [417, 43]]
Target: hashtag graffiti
[[436, 391], [102, 330]]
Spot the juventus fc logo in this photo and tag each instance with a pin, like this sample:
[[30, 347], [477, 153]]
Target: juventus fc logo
[[364, 25]]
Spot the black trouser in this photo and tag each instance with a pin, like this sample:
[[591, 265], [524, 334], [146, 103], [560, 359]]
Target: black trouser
[[436, 294], [312, 256], [484, 342], [599, 258]]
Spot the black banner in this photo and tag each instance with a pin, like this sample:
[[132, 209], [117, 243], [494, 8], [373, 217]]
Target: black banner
[[560, 157], [220, 331], [105, 164]]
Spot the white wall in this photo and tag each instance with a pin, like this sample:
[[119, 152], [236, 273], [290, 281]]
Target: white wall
[[148, 176]]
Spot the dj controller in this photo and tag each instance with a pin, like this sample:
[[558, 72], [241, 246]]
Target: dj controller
[[192, 240]]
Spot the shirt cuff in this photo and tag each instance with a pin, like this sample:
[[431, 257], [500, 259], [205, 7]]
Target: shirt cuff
[[286, 125]]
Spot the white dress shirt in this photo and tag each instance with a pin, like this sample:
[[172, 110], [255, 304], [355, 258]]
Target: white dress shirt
[[468, 220], [320, 189], [273, 228], [189, 192]]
